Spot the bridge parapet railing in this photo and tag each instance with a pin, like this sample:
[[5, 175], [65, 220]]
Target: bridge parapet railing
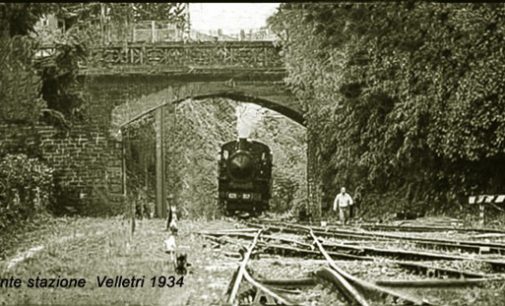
[[177, 55]]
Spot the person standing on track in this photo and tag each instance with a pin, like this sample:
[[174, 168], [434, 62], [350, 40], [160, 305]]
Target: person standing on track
[[343, 202]]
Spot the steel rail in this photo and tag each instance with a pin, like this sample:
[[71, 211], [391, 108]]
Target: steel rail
[[292, 250], [242, 270], [288, 283], [336, 251], [250, 236], [273, 294], [437, 283], [475, 246], [366, 250], [400, 227], [364, 284], [285, 290], [437, 271], [444, 242], [349, 291], [396, 253], [276, 248], [416, 228]]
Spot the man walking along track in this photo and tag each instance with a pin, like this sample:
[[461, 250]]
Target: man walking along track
[[343, 202]]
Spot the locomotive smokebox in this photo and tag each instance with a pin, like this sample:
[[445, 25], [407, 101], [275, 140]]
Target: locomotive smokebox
[[240, 165]]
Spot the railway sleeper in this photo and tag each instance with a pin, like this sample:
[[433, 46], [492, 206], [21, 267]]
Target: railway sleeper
[[467, 245], [287, 250], [288, 283], [477, 246], [394, 253], [460, 247], [359, 252], [407, 228], [297, 252], [431, 271], [495, 265]]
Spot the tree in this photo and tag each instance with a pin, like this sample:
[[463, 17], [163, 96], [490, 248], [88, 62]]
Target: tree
[[55, 92], [406, 97], [19, 18]]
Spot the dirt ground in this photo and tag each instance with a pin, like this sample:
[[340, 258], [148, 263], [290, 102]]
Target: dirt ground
[[95, 247], [91, 247]]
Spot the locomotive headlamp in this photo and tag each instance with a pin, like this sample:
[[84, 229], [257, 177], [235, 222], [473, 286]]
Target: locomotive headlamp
[[232, 195]]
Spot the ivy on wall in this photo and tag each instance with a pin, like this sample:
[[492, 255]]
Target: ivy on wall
[[407, 98]]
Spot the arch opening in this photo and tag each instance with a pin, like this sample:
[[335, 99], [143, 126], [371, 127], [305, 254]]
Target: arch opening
[[169, 107], [294, 115], [268, 94]]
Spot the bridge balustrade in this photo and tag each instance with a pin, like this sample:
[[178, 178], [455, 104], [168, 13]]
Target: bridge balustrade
[[174, 56]]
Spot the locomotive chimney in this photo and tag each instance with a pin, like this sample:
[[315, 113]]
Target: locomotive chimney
[[242, 143]]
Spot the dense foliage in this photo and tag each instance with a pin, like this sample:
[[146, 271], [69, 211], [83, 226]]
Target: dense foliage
[[286, 140], [30, 86], [200, 127], [407, 98], [26, 187], [194, 132], [30, 91], [20, 86], [19, 18], [203, 126]]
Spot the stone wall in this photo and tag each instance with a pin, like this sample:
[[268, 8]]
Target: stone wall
[[86, 161]]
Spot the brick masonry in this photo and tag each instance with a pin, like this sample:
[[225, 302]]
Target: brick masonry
[[86, 163]]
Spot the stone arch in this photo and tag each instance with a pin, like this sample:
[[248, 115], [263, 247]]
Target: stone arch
[[270, 95]]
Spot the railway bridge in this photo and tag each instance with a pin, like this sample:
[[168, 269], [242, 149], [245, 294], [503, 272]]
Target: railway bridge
[[131, 82]]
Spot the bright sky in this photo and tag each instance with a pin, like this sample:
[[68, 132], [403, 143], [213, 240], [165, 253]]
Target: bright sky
[[230, 17]]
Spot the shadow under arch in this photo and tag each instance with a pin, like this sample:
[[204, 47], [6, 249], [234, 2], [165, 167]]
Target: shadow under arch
[[269, 101], [293, 114]]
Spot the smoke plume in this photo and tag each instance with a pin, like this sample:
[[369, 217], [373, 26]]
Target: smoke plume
[[248, 115]]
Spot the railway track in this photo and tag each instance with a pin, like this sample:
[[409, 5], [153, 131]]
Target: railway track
[[469, 246], [274, 240], [412, 228]]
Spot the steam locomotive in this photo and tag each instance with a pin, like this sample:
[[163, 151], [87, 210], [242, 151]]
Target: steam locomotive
[[245, 177]]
